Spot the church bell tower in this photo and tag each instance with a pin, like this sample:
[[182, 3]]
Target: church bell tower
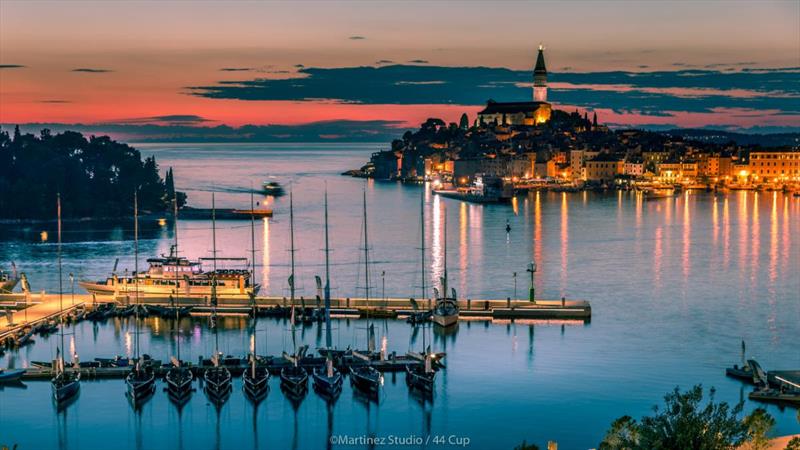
[[540, 78]]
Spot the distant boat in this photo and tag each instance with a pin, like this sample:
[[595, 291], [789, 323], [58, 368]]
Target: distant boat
[[11, 375], [273, 189], [656, 194]]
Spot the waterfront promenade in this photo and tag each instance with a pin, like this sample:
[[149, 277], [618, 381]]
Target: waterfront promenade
[[45, 306]]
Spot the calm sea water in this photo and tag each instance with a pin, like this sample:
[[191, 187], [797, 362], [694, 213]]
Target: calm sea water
[[674, 284]]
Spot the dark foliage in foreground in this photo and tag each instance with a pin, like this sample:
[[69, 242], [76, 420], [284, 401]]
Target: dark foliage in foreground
[[96, 177], [685, 422]]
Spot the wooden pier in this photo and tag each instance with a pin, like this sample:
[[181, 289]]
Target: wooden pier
[[26, 309], [22, 310]]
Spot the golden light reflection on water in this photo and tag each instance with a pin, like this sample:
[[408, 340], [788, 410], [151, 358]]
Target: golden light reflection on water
[[463, 249], [686, 262], [265, 257], [715, 221], [658, 253], [743, 234], [726, 234], [564, 242], [436, 241], [755, 240]]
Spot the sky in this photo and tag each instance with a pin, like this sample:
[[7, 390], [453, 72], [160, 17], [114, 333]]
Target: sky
[[724, 64]]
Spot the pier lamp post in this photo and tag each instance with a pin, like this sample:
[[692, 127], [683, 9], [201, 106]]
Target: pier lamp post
[[515, 284], [532, 270], [72, 287]]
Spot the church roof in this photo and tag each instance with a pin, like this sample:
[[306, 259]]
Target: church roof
[[540, 67], [493, 107]]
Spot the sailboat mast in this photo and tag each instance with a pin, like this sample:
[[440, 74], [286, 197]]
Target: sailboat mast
[[252, 246], [177, 288], [366, 263], [444, 284], [291, 277], [253, 271], [214, 276], [136, 265], [291, 245], [422, 239], [328, 340], [60, 286]]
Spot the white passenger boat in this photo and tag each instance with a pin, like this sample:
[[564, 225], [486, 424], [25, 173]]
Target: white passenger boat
[[176, 276]]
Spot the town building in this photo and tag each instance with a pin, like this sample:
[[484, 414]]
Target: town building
[[529, 113], [465, 170], [775, 166], [603, 167]]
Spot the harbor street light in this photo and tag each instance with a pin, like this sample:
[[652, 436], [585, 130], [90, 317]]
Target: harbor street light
[[532, 270], [515, 284]]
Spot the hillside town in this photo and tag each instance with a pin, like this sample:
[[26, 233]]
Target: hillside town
[[531, 144]]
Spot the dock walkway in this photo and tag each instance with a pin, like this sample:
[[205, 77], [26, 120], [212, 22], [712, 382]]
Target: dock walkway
[[20, 310]]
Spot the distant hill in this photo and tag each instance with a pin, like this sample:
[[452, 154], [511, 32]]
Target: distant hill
[[744, 139]]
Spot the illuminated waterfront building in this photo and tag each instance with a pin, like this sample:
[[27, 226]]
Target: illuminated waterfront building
[[522, 113], [775, 166]]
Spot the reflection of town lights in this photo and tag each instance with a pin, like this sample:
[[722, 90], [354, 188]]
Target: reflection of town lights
[[162, 222], [43, 236]]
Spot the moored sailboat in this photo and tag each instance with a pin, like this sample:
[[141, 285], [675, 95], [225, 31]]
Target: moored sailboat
[[446, 310], [328, 379], [141, 381], [217, 378], [179, 378], [65, 384], [366, 378], [294, 378], [255, 379]]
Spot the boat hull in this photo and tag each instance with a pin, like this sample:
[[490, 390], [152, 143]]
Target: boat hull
[[141, 385], [366, 380], [256, 388], [420, 380], [179, 385], [164, 292], [11, 376], [445, 320], [325, 385], [218, 383], [66, 386], [294, 381]]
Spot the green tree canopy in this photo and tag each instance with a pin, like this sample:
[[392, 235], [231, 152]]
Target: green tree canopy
[[96, 177], [684, 422]]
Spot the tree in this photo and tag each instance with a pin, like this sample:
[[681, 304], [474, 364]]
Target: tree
[[464, 122], [684, 423], [526, 446], [759, 423], [794, 444], [623, 435]]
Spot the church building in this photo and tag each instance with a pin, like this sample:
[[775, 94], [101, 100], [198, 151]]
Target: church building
[[522, 113]]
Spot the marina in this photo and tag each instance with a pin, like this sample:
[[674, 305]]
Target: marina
[[638, 333]]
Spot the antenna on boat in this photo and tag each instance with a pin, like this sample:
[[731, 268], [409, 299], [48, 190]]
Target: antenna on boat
[[422, 238]]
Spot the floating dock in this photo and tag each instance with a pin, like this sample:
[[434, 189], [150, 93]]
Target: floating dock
[[22, 310]]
